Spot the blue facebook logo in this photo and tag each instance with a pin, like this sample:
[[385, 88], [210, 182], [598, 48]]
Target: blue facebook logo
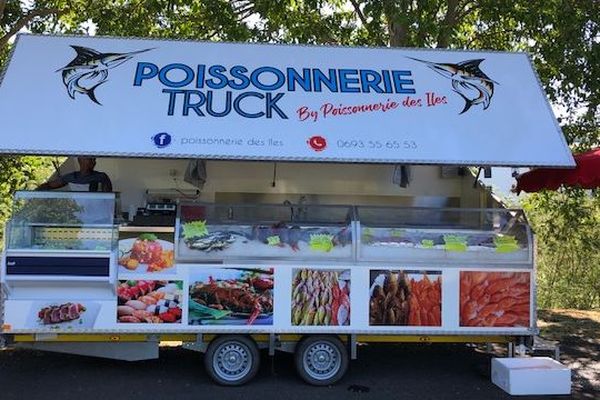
[[161, 140]]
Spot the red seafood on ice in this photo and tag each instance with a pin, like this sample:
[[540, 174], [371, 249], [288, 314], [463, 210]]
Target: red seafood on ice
[[340, 307], [406, 298], [495, 299]]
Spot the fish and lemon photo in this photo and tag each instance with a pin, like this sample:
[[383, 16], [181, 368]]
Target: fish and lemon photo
[[231, 296], [206, 237]]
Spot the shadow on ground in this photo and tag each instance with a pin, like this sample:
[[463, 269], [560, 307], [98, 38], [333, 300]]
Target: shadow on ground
[[579, 338], [408, 371]]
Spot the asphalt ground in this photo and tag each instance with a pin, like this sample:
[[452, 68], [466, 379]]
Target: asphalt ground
[[403, 371]]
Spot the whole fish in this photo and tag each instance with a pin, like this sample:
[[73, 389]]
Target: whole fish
[[89, 69], [289, 235], [470, 82], [214, 241]]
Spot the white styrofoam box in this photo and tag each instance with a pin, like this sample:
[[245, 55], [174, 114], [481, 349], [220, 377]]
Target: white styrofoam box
[[533, 375]]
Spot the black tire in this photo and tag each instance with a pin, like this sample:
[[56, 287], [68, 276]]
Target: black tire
[[242, 364], [321, 360]]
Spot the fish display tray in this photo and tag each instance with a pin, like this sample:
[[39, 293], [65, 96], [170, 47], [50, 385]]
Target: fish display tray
[[244, 248], [438, 253]]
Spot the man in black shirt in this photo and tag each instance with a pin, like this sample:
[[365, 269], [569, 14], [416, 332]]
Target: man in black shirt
[[84, 180]]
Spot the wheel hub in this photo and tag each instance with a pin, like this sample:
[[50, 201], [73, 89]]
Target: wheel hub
[[322, 361], [232, 361]]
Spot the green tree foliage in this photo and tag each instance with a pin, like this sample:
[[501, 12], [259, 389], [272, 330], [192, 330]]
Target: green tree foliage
[[562, 37], [18, 173], [567, 225]]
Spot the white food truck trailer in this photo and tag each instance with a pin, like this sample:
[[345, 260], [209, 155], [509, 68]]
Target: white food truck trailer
[[294, 198]]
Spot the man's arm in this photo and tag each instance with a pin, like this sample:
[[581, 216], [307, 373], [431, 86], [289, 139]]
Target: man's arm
[[106, 183], [54, 184]]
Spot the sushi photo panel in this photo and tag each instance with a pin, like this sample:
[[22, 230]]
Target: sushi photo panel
[[320, 297], [495, 299], [231, 296], [149, 302], [405, 298], [144, 250]]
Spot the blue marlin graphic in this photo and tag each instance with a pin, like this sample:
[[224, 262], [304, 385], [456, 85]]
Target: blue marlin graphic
[[89, 69], [468, 81]]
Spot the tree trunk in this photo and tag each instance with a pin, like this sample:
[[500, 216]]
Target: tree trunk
[[450, 21]]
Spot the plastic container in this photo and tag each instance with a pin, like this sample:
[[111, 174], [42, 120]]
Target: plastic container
[[528, 376]]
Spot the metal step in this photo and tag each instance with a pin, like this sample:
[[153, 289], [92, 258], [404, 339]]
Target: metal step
[[545, 347]]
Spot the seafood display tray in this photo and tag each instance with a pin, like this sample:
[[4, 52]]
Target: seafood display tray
[[244, 248], [359, 234], [483, 254]]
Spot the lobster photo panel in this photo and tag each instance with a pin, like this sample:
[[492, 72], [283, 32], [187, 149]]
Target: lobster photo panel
[[231, 296]]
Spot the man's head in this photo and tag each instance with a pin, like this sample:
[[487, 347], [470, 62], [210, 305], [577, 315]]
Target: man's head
[[86, 163]]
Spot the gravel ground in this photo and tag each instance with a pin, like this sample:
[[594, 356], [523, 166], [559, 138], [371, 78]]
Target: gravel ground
[[407, 371]]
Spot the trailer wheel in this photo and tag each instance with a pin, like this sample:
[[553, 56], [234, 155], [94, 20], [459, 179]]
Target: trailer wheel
[[321, 360], [232, 360]]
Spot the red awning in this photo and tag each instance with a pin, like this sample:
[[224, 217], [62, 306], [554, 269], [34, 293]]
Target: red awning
[[585, 175]]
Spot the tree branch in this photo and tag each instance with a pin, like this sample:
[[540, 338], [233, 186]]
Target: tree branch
[[245, 14], [237, 6], [465, 10], [359, 12], [26, 19]]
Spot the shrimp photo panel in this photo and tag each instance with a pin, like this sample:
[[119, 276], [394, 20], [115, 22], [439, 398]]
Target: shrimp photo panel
[[495, 299], [405, 298]]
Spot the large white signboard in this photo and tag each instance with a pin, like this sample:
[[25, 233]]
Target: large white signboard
[[152, 98]]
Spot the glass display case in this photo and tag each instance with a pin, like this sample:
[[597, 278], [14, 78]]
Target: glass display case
[[444, 235], [62, 221], [361, 235], [212, 233], [56, 235]]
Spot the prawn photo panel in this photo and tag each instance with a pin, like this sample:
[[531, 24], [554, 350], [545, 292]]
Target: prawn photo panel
[[495, 299], [143, 250], [231, 296], [320, 297], [151, 302], [405, 298]]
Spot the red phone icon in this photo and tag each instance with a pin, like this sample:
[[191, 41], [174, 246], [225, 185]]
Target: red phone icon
[[317, 143]]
